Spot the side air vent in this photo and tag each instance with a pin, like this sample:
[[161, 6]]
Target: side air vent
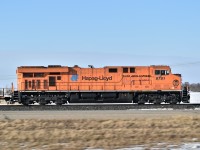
[[33, 67], [54, 66]]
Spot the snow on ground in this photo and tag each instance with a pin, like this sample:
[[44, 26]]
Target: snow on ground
[[184, 146], [194, 97]]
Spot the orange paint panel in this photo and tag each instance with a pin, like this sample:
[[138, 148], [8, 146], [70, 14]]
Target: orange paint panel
[[108, 78], [84, 87]]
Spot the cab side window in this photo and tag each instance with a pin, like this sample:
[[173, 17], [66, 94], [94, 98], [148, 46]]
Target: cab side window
[[163, 72], [157, 72]]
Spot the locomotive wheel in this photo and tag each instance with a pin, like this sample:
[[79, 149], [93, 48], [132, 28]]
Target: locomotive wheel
[[157, 103], [58, 102], [42, 102], [25, 103], [141, 103], [173, 103]]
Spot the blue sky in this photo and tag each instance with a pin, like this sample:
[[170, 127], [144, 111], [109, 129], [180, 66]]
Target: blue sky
[[102, 33]]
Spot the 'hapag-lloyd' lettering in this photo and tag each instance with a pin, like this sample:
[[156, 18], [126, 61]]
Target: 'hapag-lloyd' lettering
[[97, 78]]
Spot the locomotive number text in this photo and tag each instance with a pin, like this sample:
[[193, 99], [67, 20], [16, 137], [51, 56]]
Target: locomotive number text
[[160, 78]]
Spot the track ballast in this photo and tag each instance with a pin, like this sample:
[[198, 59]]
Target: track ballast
[[71, 107]]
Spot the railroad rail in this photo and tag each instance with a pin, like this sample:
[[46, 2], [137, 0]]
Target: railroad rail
[[71, 107]]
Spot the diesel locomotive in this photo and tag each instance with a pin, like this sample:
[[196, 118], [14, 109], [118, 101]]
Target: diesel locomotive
[[115, 84]]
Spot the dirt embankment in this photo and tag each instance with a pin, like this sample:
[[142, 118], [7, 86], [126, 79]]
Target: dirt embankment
[[107, 134]]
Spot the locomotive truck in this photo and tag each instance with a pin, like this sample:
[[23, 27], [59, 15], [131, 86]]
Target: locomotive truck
[[115, 84]]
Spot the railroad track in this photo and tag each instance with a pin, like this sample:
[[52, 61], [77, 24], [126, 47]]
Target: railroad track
[[95, 107]]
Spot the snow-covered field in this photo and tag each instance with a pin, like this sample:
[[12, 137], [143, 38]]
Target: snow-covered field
[[194, 97], [185, 146]]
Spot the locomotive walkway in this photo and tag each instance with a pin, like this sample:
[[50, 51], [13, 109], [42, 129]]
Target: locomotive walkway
[[70, 107]]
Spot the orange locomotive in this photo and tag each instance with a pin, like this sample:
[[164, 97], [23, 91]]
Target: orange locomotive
[[62, 84]]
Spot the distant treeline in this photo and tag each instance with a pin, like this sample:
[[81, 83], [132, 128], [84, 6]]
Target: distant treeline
[[195, 87]]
